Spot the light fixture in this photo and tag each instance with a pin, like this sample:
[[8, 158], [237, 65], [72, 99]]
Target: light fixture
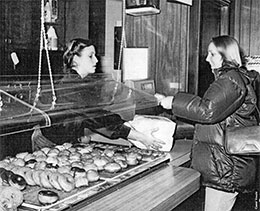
[[142, 7]]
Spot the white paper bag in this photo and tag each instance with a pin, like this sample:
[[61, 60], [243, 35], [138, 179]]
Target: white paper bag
[[146, 123]]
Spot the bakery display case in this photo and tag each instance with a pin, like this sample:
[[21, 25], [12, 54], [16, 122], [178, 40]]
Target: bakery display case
[[58, 109]]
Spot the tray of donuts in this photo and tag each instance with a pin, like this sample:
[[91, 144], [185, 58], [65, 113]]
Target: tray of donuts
[[55, 178]]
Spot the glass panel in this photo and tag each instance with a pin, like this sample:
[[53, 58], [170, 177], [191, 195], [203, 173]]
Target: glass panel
[[76, 98]]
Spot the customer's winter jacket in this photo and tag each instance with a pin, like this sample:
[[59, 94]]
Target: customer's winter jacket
[[229, 101]]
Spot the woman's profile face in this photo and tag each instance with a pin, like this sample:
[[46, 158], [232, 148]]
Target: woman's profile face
[[214, 57], [86, 62]]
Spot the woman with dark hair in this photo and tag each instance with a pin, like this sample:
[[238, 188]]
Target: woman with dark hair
[[230, 101], [79, 61]]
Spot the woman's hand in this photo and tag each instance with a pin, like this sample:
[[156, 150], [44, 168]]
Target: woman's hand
[[165, 102], [148, 140]]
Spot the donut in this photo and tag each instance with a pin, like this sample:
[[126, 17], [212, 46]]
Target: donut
[[53, 152], [3, 164], [86, 149], [89, 166], [17, 181], [72, 149], [78, 172], [29, 157], [36, 177], [45, 150], [46, 197], [67, 145], [41, 158], [63, 162], [52, 160], [118, 156], [40, 165], [81, 182], [122, 163], [39, 153], [66, 182], [100, 162], [21, 155], [54, 180], [5, 175], [28, 177], [92, 175], [77, 164], [64, 169], [86, 156], [64, 152], [60, 147], [75, 156], [87, 160], [52, 167], [112, 167], [109, 152], [44, 179]]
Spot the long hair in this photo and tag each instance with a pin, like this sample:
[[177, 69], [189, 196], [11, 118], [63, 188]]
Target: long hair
[[74, 47], [229, 49]]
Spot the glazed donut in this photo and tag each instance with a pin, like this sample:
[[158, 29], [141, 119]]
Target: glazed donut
[[45, 150], [92, 175], [67, 145], [63, 162], [112, 167], [28, 177], [17, 181], [21, 155], [81, 181], [46, 197], [78, 172], [131, 159], [92, 166], [45, 179], [86, 149], [66, 182], [36, 177], [30, 163], [53, 152], [40, 165], [21, 171], [54, 180]]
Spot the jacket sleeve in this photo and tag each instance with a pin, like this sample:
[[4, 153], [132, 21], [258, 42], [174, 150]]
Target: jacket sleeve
[[222, 98], [108, 124]]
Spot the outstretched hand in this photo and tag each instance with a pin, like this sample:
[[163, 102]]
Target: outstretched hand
[[165, 102], [149, 141]]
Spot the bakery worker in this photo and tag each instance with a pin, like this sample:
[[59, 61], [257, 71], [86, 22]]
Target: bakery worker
[[230, 100], [79, 62]]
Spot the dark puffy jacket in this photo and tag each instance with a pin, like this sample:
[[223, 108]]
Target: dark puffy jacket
[[230, 100]]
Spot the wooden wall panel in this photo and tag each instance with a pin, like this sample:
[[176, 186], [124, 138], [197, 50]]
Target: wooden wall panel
[[255, 28], [245, 20], [166, 35]]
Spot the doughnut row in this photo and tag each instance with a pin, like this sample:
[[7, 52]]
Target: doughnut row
[[65, 167]]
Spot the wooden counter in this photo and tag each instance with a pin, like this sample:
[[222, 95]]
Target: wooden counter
[[163, 189]]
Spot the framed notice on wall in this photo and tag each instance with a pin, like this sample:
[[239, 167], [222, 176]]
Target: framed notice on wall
[[135, 63]]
